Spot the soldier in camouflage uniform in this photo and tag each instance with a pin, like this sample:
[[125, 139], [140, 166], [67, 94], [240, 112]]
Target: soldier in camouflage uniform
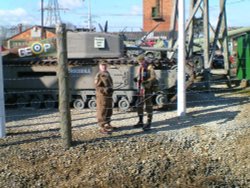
[[104, 92], [145, 80]]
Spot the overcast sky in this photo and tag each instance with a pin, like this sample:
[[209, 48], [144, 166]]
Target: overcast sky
[[120, 14]]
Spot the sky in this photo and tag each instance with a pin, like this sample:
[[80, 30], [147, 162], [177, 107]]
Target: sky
[[121, 15]]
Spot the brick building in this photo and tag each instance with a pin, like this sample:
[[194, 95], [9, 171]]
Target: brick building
[[157, 11], [29, 35]]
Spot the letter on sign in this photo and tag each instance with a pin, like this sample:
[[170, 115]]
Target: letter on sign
[[47, 46], [23, 52]]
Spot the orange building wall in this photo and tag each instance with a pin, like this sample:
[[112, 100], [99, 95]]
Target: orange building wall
[[149, 23], [50, 34], [24, 38], [27, 35]]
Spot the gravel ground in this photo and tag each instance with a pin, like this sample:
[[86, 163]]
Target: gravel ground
[[209, 147]]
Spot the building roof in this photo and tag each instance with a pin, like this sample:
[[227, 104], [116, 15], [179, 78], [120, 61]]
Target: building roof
[[50, 29]]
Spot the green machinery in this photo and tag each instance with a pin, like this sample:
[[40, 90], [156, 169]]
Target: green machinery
[[243, 57]]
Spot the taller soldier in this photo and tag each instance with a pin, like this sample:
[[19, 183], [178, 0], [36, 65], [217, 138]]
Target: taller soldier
[[146, 78], [104, 101]]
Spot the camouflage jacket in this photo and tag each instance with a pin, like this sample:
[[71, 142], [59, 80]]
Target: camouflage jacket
[[146, 77]]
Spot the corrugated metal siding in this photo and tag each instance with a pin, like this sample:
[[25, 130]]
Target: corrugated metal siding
[[243, 60]]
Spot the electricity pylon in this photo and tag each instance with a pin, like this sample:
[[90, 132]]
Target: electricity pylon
[[53, 13]]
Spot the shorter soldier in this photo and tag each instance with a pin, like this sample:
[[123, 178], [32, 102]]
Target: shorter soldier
[[145, 79], [104, 92]]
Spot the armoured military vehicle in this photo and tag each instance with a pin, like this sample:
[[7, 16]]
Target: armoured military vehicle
[[30, 74]]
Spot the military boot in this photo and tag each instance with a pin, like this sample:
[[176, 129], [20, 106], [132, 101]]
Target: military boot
[[140, 122], [110, 127], [147, 126]]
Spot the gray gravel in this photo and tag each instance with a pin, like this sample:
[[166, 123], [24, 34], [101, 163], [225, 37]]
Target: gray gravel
[[209, 147]]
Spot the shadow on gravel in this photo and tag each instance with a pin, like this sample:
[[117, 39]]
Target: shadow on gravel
[[207, 99], [195, 118], [26, 113], [114, 118], [30, 140], [170, 124], [31, 113], [207, 115], [33, 124], [33, 132]]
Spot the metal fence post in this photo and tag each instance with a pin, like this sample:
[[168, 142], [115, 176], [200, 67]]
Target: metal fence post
[[63, 82], [2, 105]]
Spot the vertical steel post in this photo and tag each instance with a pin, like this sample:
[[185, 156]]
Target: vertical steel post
[[191, 30], [171, 35], [206, 43], [224, 35], [181, 90]]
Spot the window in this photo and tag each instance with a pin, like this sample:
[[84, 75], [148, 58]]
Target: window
[[156, 12]]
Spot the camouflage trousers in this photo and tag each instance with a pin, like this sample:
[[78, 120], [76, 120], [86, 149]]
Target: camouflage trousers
[[147, 101]]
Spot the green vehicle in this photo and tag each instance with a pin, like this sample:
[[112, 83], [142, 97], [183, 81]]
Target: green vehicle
[[31, 73]]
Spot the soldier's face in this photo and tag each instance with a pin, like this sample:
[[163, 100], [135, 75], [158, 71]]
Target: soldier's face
[[142, 63], [103, 67]]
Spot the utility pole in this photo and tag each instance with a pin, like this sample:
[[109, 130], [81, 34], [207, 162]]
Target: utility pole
[[2, 105], [42, 20], [63, 82]]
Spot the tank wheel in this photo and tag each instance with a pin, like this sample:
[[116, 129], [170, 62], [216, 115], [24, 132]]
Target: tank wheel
[[123, 104], [49, 102], [35, 102], [21, 101], [160, 99], [78, 104], [92, 103]]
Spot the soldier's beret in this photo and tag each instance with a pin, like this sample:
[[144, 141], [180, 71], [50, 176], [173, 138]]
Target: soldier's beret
[[140, 58]]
